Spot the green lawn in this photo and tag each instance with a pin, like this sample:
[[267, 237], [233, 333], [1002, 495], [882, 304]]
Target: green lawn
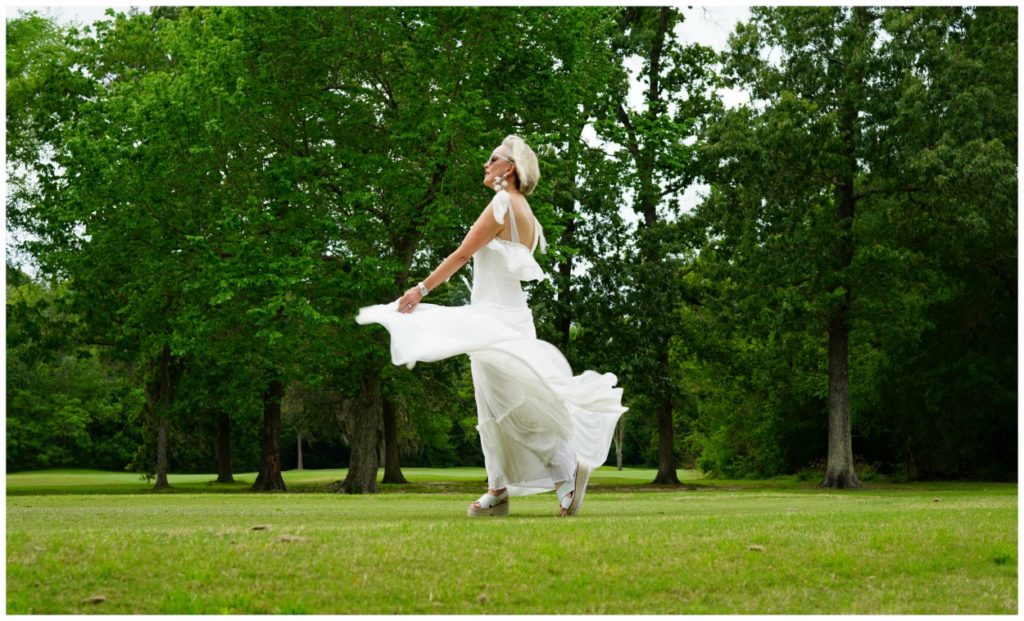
[[466, 480], [716, 547]]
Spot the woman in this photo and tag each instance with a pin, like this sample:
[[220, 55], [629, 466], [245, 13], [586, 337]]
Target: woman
[[540, 427]]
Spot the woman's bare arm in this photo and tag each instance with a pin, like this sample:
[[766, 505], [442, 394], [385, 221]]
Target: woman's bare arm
[[480, 234]]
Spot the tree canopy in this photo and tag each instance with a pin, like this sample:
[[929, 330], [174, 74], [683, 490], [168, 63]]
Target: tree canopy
[[208, 195]]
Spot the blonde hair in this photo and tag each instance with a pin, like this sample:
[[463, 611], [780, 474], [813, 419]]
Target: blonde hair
[[527, 170]]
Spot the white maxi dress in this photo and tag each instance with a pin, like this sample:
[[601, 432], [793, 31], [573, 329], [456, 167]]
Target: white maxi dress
[[535, 419]]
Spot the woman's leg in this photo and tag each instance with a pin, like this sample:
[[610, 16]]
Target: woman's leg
[[563, 462], [495, 475]]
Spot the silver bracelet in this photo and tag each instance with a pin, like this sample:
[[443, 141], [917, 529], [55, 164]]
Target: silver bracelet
[[422, 288]]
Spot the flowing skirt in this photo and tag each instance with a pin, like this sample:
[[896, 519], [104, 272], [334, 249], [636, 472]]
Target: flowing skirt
[[535, 417]]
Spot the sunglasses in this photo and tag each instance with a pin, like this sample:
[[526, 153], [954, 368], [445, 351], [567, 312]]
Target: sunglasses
[[495, 158]]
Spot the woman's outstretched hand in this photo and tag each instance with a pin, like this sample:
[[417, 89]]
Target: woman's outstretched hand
[[409, 301]]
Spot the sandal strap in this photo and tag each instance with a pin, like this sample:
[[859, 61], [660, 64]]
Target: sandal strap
[[489, 500], [563, 493], [567, 488]]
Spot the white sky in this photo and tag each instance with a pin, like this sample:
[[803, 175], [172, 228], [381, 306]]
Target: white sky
[[709, 24]]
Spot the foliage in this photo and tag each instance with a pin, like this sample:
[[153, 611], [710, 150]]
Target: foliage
[[766, 273], [230, 184], [623, 319], [66, 404]]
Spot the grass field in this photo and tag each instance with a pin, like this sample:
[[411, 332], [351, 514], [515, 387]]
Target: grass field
[[89, 542]]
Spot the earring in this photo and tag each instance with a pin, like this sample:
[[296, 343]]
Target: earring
[[500, 184]]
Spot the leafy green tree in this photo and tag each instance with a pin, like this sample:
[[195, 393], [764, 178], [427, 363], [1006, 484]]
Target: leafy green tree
[[637, 281], [60, 120], [118, 212], [942, 400], [452, 83], [805, 250], [67, 405]]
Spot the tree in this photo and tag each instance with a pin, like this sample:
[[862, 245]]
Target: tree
[[460, 81], [818, 89], [810, 179], [130, 213], [67, 404], [66, 189], [954, 135], [642, 282]]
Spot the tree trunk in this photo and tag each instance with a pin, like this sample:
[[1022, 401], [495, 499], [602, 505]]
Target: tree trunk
[[649, 197], [392, 467], [161, 455], [563, 321], [364, 436], [910, 464], [165, 407], [269, 478], [839, 472], [666, 446], [298, 439], [224, 449], [620, 437]]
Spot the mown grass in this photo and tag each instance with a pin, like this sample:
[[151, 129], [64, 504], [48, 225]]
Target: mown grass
[[420, 480], [715, 547]]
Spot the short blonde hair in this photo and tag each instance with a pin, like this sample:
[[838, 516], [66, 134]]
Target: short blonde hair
[[527, 170]]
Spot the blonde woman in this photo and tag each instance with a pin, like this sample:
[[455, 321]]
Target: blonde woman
[[541, 428]]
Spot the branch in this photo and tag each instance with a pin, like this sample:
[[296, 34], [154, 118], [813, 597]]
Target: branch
[[910, 197], [389, 94], [435, 180], [338, 191], [597, 150], [868, 191], [631, 145], [673, 189], [654, 75]]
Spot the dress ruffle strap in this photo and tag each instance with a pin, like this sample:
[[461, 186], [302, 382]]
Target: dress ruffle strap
[[500, 205], [541, 241]]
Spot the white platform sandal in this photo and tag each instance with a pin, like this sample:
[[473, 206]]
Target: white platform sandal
[[490, 505], [570, 494]]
